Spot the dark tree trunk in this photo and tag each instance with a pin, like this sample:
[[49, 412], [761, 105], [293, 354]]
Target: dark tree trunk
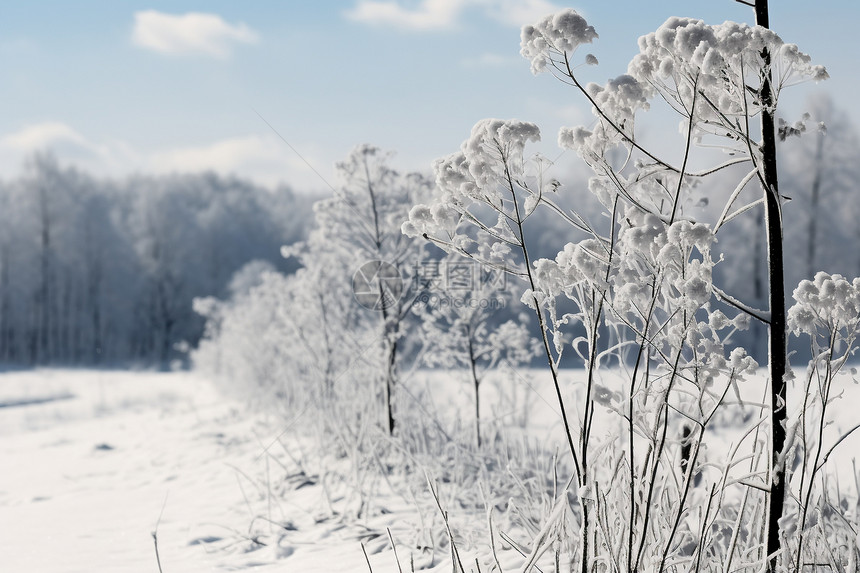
[[477, 383], [777, 340], [44, 293], [390, 379]]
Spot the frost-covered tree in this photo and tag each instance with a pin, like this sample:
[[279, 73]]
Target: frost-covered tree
[[326, 326], [357, 243], [338, 325], [647, 276]]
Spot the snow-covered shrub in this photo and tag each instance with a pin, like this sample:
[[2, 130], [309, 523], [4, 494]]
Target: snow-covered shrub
[[357, 240], [312, 334], [270, 345]]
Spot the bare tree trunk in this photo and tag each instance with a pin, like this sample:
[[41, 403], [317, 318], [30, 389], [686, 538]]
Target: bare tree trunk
[[477, 383], [777, 339], [166, 319], [66, 331], [95, 316], [94, 280], [45, 290], [390, 317], [390, 380]]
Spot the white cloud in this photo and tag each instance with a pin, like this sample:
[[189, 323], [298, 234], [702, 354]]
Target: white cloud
[[100, 158], [444, 14], [40, 136], [263, 159], [191, 33], [490, 60], [430, 15], [520, 12], [224, 156]]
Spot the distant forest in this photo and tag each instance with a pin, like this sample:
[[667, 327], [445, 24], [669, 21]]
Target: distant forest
[[96, 271]]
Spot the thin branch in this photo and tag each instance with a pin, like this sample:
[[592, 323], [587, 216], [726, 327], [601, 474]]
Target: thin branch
[[690, 128], [733, 198], [833, 447], [742, 210], [720, 167], [155, 534], [613, 124], [762, 315], [366, 558]]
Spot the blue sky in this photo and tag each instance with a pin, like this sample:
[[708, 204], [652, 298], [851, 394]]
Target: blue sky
[[120, 86]]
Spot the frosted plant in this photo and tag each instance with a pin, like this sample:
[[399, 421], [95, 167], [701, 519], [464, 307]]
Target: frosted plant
[[827, 311], [283, 341], [315, 334], [459, 331], [485, 194], [558, 33], [359, 225], [828, 306], [646, 282], [649, 278]]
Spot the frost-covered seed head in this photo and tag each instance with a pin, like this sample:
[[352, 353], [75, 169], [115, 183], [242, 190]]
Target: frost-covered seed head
[[558, 34], [828, 302]]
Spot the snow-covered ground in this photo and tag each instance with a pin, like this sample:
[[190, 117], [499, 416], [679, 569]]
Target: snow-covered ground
[[91, 462], [91, 459]]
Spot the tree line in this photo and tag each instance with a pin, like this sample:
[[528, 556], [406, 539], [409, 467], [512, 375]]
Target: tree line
[[98, 271]]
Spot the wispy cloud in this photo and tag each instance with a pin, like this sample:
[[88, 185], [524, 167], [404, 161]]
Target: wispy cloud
[[262, 158], [489, 60], [103, 158], [40, 136], [518, 13], [431, 15], [252, 153], [193, 33]]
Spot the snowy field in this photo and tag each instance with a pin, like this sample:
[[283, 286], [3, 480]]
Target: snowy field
[[94, 461], [91, 458]]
